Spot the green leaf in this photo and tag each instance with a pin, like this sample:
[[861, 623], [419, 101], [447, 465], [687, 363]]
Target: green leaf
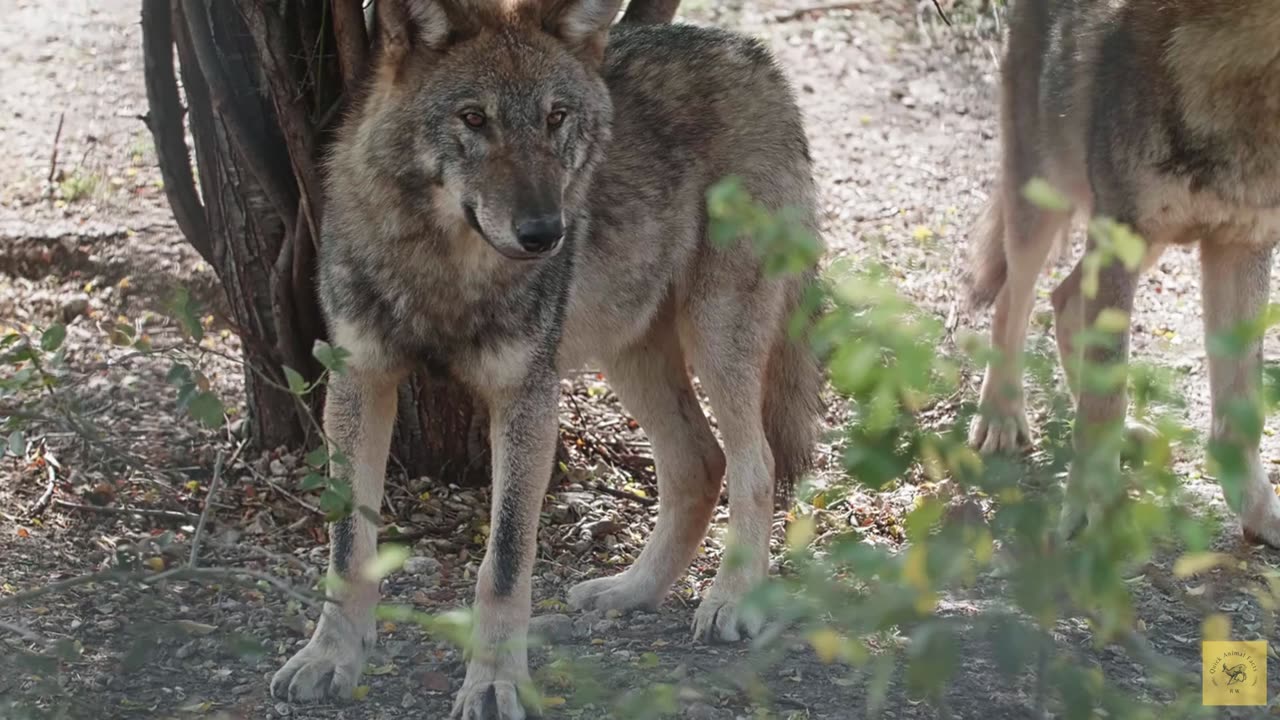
[[297, 383], [17, 444], [334, 359], [187, 312], [390, 558], [52, 338], [1112, 320], [333, 505], [921, 520], [1195, 563], [934, 657], [312, 481], [207, 408], [179, 375], [1012, 643], [1129, 247], [123, 334], [1040, 193], [318, 457]]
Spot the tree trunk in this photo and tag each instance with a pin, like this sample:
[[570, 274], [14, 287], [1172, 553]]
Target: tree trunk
[[263, 82]]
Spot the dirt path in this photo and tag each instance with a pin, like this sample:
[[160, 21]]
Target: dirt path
[[902, 130]]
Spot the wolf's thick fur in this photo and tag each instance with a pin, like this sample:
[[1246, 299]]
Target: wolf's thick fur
[[1161, 115], [510, 200]]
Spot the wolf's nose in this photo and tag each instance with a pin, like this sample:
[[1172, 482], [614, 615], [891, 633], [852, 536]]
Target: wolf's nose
[[540, 235]]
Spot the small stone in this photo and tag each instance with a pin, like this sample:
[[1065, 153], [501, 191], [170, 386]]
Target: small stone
[[282, 709], [602, 528], [408, 701], [420, 565], [554, 628]]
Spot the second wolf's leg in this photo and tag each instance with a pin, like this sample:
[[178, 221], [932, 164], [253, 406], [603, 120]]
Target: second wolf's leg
[[1236, 281], [653, 383], [1031, 232], [523, 433], [1099, 412], [1068, 321], [359, 412]]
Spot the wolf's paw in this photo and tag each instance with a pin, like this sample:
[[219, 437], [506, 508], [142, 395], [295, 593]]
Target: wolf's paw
[[1260, 517], [723, 618], [489, 693], [1000, 433], [329, 667], [620, 592]]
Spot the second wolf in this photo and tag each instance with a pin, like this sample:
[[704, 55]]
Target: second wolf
[[523, 191], [1164, 116]]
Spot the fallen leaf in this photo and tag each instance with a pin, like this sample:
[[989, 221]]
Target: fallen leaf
[[192, 627], [435, 681]]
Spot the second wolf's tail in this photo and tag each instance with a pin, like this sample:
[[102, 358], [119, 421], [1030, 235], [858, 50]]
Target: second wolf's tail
[[793, 406], [987, 265]]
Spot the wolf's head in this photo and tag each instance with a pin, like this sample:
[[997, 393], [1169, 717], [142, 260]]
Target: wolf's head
[[492, 113]]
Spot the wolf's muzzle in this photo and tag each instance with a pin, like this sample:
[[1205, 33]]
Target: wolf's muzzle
[[540, 235]]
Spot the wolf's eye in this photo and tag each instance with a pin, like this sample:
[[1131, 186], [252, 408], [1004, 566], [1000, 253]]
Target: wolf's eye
[[555, 119], [474, 120]]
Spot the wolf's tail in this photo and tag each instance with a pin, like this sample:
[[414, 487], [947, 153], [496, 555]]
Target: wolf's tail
[[987, 266], [793, 406]]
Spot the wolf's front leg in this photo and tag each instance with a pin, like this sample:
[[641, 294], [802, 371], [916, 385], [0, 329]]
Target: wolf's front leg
[[523, 430], [359, 413]]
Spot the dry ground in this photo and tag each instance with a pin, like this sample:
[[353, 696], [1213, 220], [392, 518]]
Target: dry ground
[[900, 110]]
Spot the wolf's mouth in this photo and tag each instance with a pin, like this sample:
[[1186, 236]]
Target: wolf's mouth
[[511, 252], [469, 211]]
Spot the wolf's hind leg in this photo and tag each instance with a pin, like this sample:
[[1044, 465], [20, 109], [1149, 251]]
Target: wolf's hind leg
[[1068, 321], [359, 413], [653, 383], [1001, 425]]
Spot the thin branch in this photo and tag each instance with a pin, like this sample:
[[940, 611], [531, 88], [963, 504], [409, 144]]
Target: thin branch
[[181, 572], [164, 119], [251, 152], [24, 633], [820, 9], [33, 593], [53, 156], [288, 100], [235, 574], [353, 41], [43, 501], [651, 11], [642, 499], [214, 486], [941, 14], [170, 515]]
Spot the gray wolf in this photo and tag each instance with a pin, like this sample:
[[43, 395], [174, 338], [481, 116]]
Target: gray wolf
[[1164, 116], [523, 190]]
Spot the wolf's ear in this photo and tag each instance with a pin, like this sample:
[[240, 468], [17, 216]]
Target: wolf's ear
[[583, 25], [407, 25]]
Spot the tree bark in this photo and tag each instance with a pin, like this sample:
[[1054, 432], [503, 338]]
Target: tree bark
[[262, 82], [651, 11]]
